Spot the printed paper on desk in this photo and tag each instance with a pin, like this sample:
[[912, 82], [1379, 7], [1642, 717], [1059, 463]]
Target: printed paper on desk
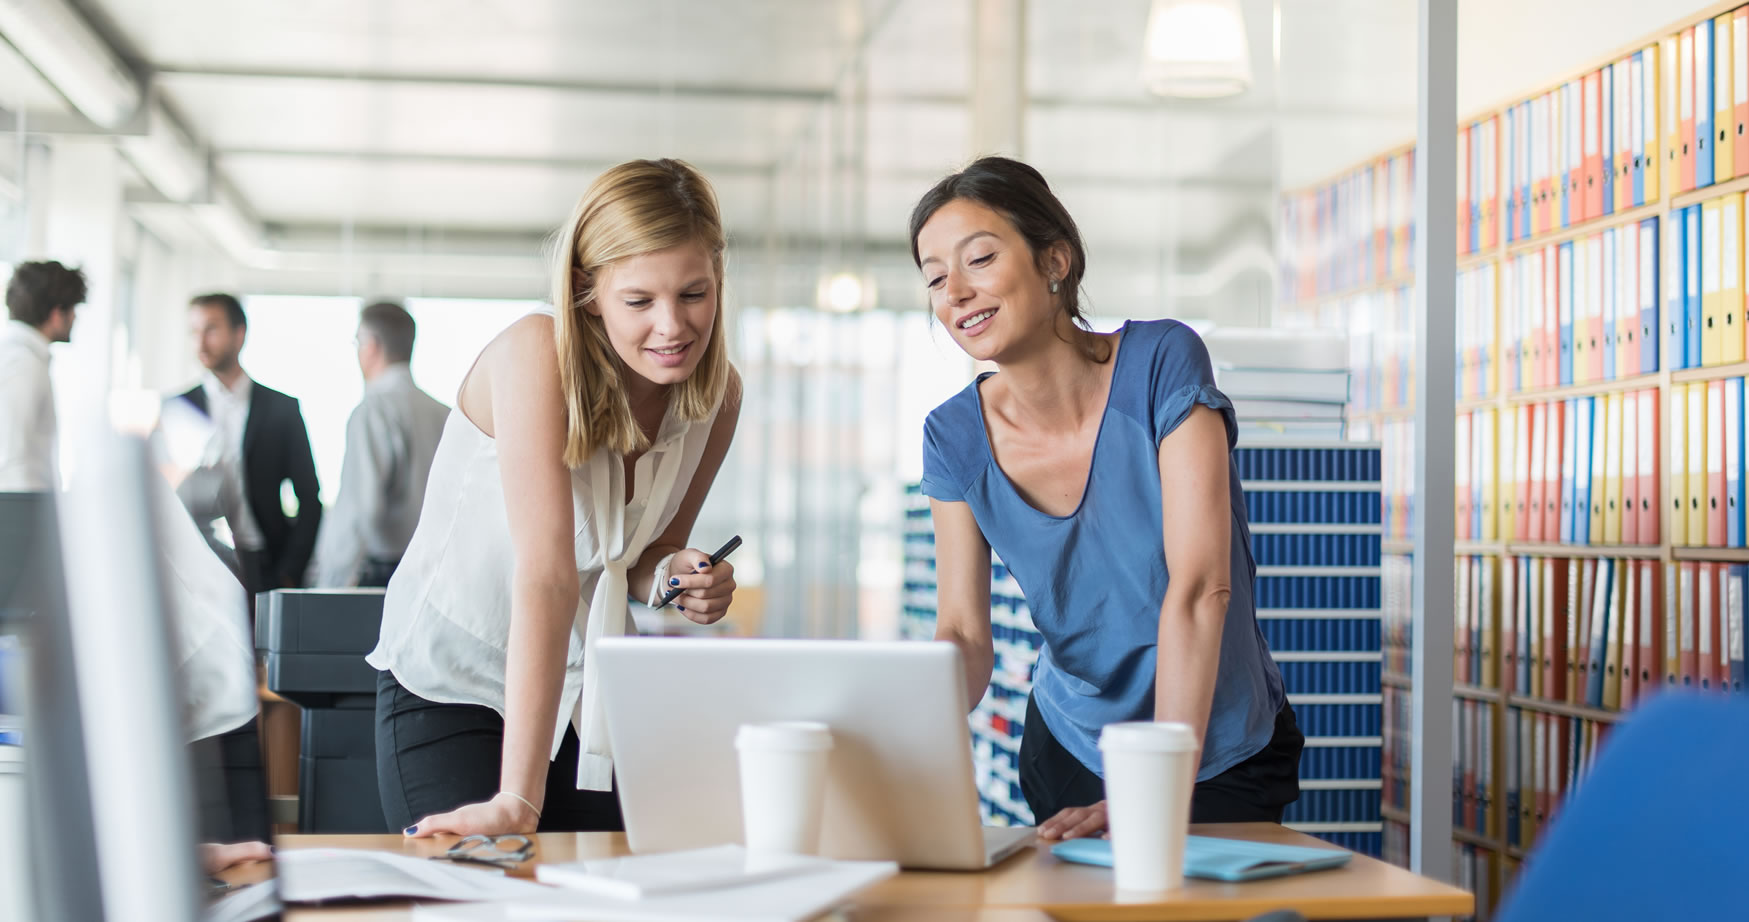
[[317, 875], [783, 899], [636, 877]]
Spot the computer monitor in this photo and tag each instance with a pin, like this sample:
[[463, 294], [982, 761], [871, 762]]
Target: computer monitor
[[34, 610], [106, 729], [899, 786]]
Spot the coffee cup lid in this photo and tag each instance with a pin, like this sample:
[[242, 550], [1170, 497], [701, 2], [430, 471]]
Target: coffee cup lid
[[796, 735], [1148, 736]]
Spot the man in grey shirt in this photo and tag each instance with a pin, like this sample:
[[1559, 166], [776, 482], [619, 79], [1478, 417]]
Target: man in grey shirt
[[390, 441]]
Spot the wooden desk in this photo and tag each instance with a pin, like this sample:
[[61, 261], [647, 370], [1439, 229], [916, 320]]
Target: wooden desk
[[1028, 887]]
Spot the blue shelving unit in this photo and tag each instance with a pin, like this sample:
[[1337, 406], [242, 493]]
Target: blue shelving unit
[[1316, 537]]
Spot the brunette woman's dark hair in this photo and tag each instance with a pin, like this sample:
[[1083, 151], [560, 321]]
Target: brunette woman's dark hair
[[1020, 194]]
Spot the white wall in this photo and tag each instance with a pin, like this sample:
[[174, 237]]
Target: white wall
[[1349, 66], [1509, 48]]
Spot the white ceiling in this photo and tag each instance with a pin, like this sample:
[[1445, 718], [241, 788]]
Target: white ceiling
[[461, 118], [493, 115], [22, 89]]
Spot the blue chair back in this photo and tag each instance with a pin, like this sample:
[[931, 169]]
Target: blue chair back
[[1658, 830]]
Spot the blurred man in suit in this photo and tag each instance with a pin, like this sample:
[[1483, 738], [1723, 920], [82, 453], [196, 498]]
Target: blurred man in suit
[[390, 441], [40, 298], [257, 443]]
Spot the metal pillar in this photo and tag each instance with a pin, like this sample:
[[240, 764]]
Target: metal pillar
[[1435, 411]]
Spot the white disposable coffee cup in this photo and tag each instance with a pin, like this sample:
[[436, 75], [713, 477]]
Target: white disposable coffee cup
[[1150, 769], [783, 785]]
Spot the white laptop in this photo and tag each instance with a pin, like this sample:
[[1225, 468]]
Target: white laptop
[[900, 773]]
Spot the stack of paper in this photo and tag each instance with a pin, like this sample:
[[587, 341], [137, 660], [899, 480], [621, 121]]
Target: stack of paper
[[1283, 383], [635, 877], [723, 882]]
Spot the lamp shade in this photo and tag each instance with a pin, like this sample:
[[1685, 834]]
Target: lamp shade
[[1196, 49]]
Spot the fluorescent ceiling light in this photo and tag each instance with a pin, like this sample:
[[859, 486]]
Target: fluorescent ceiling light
[[57, 41], [845, 292], [1196, 49]]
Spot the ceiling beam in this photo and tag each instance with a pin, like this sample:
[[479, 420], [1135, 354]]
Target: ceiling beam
[[446, 158], [1213, 182], [70, 124], [1222, 109], [1225, 109], [798, 94]]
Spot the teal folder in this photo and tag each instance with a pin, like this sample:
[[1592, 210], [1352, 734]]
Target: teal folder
[[1220, 859]]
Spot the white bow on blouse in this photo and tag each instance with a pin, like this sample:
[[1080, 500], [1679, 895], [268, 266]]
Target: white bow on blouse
[[608, 601]]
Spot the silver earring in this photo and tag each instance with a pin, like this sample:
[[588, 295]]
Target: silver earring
[[1055, 285]]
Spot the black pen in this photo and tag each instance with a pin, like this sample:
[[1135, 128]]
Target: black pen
[[716, 558]]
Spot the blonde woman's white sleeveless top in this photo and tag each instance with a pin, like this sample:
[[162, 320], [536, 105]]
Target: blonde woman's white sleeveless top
[[446, 615]]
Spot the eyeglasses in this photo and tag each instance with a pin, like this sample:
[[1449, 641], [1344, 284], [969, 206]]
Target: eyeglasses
[[497, 851]]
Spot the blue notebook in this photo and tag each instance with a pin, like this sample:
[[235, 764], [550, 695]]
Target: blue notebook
[[1220, 859]]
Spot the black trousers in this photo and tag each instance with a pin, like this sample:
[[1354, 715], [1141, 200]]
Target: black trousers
[[255, 571], [1255, 790], [231, 786], [433, 758], [376, 571]]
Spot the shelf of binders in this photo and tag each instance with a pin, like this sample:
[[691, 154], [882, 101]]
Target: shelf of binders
[[1474, 260], [1495, 161], [1710, 373], [1727, 554], [1563, 709], [1589, 389], [1706, 193], [1460, 834], [1475, 692], [1636, 551], [1370, 288], [1584, 229]]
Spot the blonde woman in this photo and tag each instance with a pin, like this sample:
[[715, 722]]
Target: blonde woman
[[568, 478]]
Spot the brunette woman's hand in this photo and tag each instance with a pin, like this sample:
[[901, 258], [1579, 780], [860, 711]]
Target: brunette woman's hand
[[1075, 823]]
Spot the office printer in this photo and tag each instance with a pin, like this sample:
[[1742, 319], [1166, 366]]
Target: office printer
[[314, 642]]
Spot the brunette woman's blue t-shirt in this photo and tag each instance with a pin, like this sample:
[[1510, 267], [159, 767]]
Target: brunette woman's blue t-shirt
[[1095, 579]]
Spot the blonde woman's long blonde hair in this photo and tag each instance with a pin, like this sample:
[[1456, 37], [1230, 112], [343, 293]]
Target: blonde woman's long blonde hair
[[634, 208]]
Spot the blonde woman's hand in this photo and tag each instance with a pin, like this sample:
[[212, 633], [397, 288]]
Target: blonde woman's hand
[[504, 814], [707, 589]]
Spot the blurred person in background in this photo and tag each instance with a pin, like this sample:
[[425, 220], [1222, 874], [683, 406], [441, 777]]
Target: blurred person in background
[[41, 298], [391, 439], [570, 473], [1100, 468], [257, 442], [215, 667]]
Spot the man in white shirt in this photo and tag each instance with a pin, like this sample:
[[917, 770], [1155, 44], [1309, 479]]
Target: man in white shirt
[[40, 298], [391, 439], [258, 442]]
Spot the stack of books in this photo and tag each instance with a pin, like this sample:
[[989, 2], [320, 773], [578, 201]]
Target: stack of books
[[1284, 383]]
